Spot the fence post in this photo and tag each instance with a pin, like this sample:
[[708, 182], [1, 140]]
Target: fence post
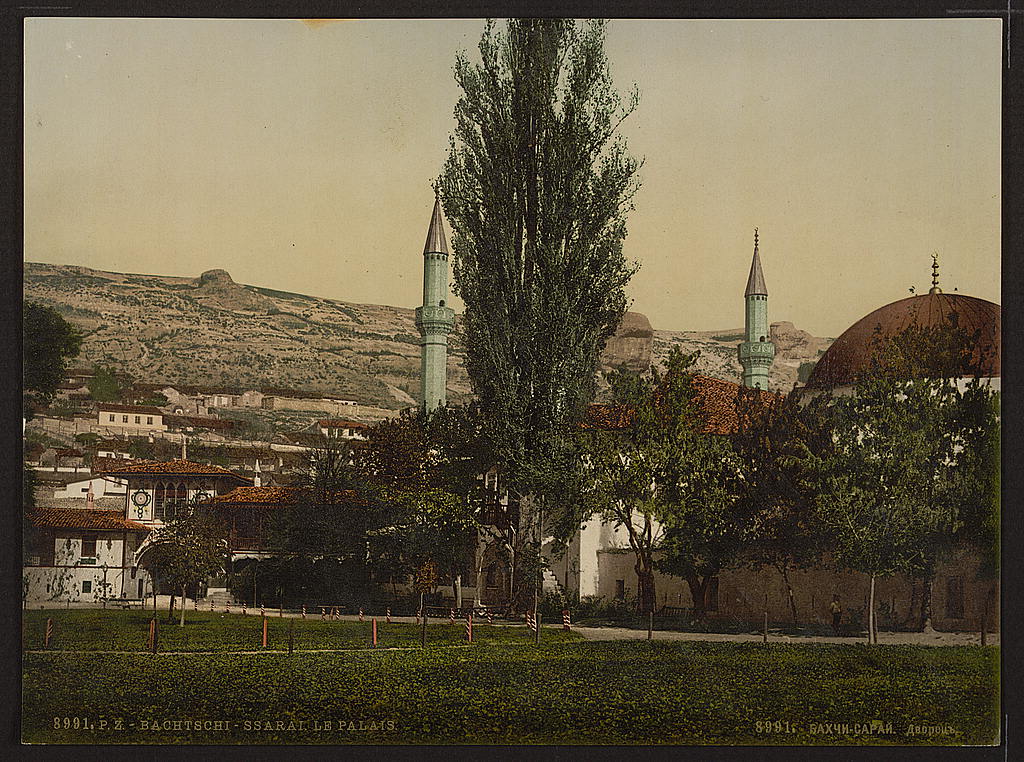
[[373, 627], [565, 620], [49, 632], [156, 634], [387, 615], [423, 630], [469, 627], [291, 635], [264, 632], [536, 628], [765, 627]]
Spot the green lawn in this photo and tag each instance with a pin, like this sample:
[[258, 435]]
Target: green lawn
[[106, 630], [570, 692]]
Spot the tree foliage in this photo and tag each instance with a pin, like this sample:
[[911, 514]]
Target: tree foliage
[[536, 188], [104, 385], [49, 342], [190, 548]]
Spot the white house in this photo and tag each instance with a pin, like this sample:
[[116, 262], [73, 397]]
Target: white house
[[137, 419], [82, 555]]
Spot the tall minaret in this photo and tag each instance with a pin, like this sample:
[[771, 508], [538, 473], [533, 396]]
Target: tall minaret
[[435, 318], [757, 351]]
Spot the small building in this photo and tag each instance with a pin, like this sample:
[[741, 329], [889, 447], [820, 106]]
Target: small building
[[137, 419], [336, 428], [101, 486], [82, 555]]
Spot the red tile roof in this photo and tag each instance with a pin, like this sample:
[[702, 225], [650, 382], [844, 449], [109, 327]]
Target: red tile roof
[[272, 496], [337, 423], [716, 400], [105, 407], [183, 467], [81, 518]]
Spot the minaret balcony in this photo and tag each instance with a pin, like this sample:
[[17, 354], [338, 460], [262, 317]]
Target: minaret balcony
[[756, 350], [435, 320]]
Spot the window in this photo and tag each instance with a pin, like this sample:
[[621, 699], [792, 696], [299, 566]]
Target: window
[[149, 419], [138, 419], [89, 546], [955, 598], [111, 417], [124, 419], [490, 581], [86, 586], [620, 589]]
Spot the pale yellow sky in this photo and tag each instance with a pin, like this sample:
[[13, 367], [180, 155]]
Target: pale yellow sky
[[299, 156]]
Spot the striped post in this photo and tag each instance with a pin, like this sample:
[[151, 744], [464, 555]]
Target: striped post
[[335, 614], [360, 615], [211, 605], [195, 603], [303, 611], [323, 613], [156, 633], [469, 627], [263, 612], [152, 628], [264, 632], [245, 611], [387, 615], [417, 616], [490, 617], [227, 608], [49, 633], [565, 620], [451, 616], [374, 628]]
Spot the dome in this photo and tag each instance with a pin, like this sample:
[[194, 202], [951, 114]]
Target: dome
[[851, 353]]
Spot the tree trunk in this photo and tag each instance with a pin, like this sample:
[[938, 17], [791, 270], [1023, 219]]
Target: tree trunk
[[181, 623], [871, 611], [645, 592], [698, 590], [925, 622], [789, 589], [170, 610], [457, 589]]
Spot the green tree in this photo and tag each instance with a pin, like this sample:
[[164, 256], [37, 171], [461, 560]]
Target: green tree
[[536, 187], [104, 385], [190, 547], [776, 444], [49, 341], [28, 487]]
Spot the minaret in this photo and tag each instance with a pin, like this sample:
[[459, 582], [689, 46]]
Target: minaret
[[257, 480], [757, 351], [434, 319]]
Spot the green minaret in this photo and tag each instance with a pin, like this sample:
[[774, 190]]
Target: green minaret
[[434, 319], [756, 352]]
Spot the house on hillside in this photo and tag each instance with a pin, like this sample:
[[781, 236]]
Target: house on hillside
[[129, 419], [336, 428]]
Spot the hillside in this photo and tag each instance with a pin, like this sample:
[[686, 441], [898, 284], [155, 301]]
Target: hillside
[[211, 330]]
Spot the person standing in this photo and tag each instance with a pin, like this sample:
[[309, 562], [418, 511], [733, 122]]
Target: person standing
[[837, 613]]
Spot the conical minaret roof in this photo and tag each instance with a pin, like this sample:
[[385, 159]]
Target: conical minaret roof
[[436, 242], [755, 281]]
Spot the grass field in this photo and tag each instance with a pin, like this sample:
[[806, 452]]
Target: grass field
[[106, 630], [514, 692]]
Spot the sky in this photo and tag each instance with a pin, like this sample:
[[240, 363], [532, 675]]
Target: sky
[[299, 156]]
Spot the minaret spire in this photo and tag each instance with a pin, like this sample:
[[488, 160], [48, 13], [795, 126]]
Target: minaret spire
[[757, 351], [935, 275], [435, 319]]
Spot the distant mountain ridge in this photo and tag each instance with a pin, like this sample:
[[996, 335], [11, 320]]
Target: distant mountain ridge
[[211, 330]]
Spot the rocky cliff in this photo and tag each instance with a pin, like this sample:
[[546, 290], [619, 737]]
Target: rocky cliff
[[211, 330]]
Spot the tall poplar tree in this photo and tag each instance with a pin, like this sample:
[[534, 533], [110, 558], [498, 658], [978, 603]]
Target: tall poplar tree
[[536, 188]]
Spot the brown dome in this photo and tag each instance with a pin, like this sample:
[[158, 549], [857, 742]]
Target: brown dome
[[851, 352]]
